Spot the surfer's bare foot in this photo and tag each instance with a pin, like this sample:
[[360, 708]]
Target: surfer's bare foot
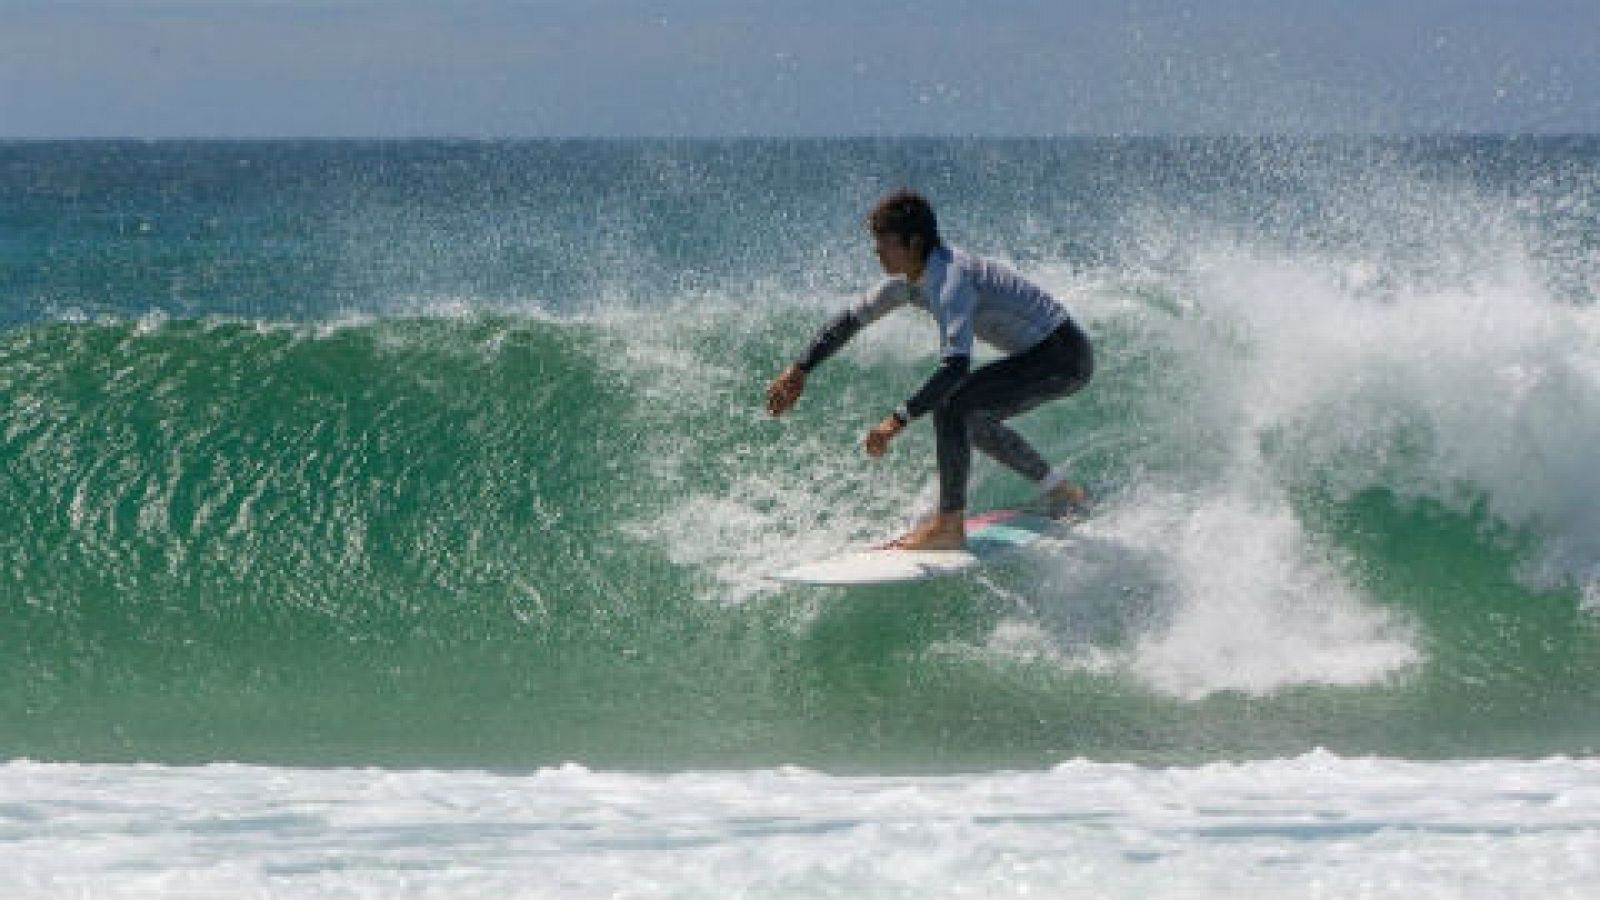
[[942, 531]]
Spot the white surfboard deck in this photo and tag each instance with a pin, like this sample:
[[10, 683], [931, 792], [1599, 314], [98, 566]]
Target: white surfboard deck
[[989, 535]]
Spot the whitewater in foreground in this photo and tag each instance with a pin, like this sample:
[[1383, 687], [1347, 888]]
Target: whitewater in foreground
[[1313, 826]]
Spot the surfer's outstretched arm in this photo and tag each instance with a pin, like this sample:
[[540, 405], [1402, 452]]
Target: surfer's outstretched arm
[[835, 334], [785, 390]]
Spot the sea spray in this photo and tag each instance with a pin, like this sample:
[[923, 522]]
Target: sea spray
[[454, 455]]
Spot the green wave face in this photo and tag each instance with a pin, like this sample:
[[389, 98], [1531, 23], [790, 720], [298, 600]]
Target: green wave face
[[510, 541]]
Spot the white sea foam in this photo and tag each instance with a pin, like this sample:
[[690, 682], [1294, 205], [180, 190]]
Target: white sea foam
[[1247, 602], [1316, 826], [1278, 371], [1483, 386]]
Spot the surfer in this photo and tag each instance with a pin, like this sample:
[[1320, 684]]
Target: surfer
[[1046, 356]]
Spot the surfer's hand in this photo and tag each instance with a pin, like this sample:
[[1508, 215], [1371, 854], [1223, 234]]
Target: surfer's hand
[[785, 390], [877, 442]]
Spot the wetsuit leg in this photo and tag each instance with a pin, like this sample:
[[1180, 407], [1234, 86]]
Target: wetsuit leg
[[992, 437], [1058, 366]]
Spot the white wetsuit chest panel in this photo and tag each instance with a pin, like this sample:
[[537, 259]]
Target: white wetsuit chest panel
[[970, 296]]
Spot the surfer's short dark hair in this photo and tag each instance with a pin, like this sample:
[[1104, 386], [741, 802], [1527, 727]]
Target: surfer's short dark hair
[[907, 215]]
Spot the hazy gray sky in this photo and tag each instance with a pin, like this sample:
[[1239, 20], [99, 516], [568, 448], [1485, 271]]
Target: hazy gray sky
[[534, 68]]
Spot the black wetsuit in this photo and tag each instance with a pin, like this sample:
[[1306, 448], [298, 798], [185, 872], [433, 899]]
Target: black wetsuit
[[1047, 356]]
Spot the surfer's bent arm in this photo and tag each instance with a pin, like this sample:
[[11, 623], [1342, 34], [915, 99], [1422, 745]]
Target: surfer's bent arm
[[938, 386], [944, 380]]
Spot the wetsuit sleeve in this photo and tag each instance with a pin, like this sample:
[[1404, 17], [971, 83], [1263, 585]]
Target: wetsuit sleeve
[[839, 330], [888, 296], [939, 385]]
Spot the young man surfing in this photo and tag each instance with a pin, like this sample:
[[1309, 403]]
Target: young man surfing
[[1046, 356]]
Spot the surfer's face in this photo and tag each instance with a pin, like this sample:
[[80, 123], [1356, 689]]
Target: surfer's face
[[896, 255]]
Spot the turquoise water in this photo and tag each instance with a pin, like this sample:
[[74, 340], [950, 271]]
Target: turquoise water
[[451, 454]]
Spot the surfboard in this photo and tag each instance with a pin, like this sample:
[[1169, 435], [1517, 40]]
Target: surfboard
[[989, 536]]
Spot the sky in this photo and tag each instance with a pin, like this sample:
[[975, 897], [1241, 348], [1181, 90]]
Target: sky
[[715, 68]]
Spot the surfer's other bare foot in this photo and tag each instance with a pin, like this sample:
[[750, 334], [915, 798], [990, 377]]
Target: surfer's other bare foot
[[942, 531], [1067, 499]]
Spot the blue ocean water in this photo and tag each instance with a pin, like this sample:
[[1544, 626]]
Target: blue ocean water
[[451, 455]]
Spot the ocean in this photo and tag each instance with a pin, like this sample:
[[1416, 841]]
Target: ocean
[[392, 519]]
